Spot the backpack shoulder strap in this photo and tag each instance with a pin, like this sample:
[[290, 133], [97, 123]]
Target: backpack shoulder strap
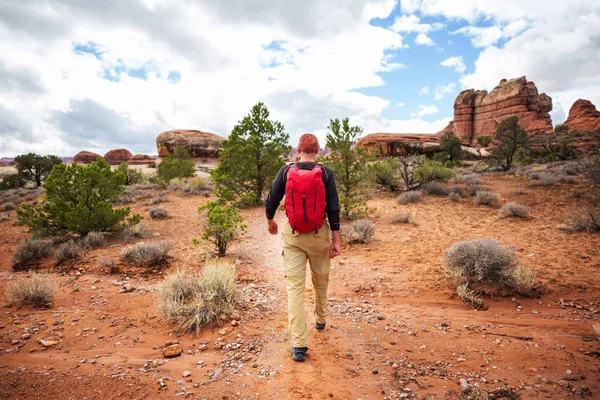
[[325, 173]]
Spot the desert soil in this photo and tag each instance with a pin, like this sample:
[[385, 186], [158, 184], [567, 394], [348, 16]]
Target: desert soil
[[395, 330]]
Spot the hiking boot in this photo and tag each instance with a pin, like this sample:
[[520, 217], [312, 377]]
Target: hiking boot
[[299, 353], [320, 326]]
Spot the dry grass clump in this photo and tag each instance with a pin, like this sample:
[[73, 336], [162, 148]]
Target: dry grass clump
[[583, 221], [135, 193], [93, 240], [469, 296], [158, 213], [485, 262], [37, 291], [414, 196], [471, 179], [108, 264], [514, 210], [135, 232], [191, 186], [361, 231], [435, 189], [193, 300], [457, 190], [8, 206], [30, 251], [159, 198], [568, 179], [67, 252], [454, 196], [403, 217], [546, 180], [149, 255], [486, 198]]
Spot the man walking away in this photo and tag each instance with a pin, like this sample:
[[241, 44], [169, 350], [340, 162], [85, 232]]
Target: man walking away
[[310, 195]]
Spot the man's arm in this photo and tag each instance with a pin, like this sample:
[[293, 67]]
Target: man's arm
[[276, 193], [333, 214]]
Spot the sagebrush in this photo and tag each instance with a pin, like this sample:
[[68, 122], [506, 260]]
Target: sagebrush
[[514, 210], [158, 213], [150, 255], [37, 291], [414, 196], [486, 198], [402, 217], [67, 252], [29, 252]]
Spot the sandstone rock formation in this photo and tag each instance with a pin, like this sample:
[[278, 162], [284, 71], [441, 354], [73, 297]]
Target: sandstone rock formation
[[478, 113], [199, 144], [85, 157], [117, 156], [583, 116], [140, 159], [399, 144]]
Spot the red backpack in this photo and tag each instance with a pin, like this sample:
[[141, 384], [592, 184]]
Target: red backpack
[[305, 198]]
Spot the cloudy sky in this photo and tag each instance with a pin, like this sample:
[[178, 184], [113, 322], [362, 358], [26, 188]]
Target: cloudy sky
[[95, 75]]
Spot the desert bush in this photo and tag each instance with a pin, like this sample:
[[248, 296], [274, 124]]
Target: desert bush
[[135, 232], [365, 229], [151, 164], [480, 261], [523, 279], [93, 240], [435, 189], [79, 200], [403, 217], [190, 186], [572, 180], [456, 189], [193, 300], [473, 188], [583, 221], [471, 179], [30, 251], [38, 291], [560, 128], [432, 171], [414, 196], [469, 296], [8, 206], [486, 198], [484, 141], [454, 196], [222, 224], [159, 198], [387, 173], [67, 252], [108, 264], [149, 255], [158, 213], [133, 176], [12, 182], [178, 165], [514, 210], [35, 168], [546, 180]]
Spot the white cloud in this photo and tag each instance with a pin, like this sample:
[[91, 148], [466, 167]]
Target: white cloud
[[400, 105], [442, 90], [412, 23], [455, 63], [423, 39], [487, 36], [425, 110], [425, 91]]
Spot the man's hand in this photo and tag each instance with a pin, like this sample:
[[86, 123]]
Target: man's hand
[[273, 228], [334, 249]]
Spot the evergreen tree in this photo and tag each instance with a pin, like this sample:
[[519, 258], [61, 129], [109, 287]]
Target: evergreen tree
[[509, 138], [35, 168], [251, 157], [450, 148]]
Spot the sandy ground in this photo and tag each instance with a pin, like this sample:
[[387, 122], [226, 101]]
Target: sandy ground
[[395, 330]]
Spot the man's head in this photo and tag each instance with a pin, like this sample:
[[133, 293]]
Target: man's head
[[308, 144]]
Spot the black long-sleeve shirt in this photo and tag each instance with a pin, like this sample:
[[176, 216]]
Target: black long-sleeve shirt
[[332, 204]]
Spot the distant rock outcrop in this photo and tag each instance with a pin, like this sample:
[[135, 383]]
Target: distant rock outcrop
[[478, 113], [583, 116], [140, 159], [85, 157], [199, 144], [117, 156], [400, 144]]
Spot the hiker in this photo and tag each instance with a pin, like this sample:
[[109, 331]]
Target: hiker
[[310, 195]]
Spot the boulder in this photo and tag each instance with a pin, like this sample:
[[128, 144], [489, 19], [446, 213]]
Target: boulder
[[199, 144], [173, 350], [140, 159], [85, 157], [117, 156], [583, 116], [478, 113]]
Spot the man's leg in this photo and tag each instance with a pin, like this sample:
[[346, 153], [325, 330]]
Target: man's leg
[[320, 284], [318, 255]]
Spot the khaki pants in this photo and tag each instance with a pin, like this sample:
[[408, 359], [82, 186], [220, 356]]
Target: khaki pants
[[297, 248]]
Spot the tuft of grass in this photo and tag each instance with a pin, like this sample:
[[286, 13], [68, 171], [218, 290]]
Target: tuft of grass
[[471, 179], [191, 186], [583, 221], [30, 251], [435, 189], [67, 252], [486, 198], [8, 206], [159, 198], [454, 196], [93, 240], [361, 231], [473, 188], [109, 264], [403, 217], [150, 255], [413, 196], [37, 291], [158, 213], [193, 300], [523, 279], [469, 296], [135, 232], [514, 210]]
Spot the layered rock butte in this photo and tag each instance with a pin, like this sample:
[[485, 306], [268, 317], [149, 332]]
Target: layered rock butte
[[583, 116], [199, 144], [140, 159]]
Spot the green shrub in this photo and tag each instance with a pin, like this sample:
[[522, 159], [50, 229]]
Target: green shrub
[[222, 224], [178, 165], [450, 146], [38, 291], [67, 252], [35, 168], [414, 196], [514, 210], [12, 182], [386, 173], [193, 300], [29, 252], [509, 138], [158, 213], [133, 176], [79, 199], [152, 164], [432, 171], [150, 255], [560, 128], [484, 141]]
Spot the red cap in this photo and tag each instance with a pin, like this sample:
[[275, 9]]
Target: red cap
[[308, 143]]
